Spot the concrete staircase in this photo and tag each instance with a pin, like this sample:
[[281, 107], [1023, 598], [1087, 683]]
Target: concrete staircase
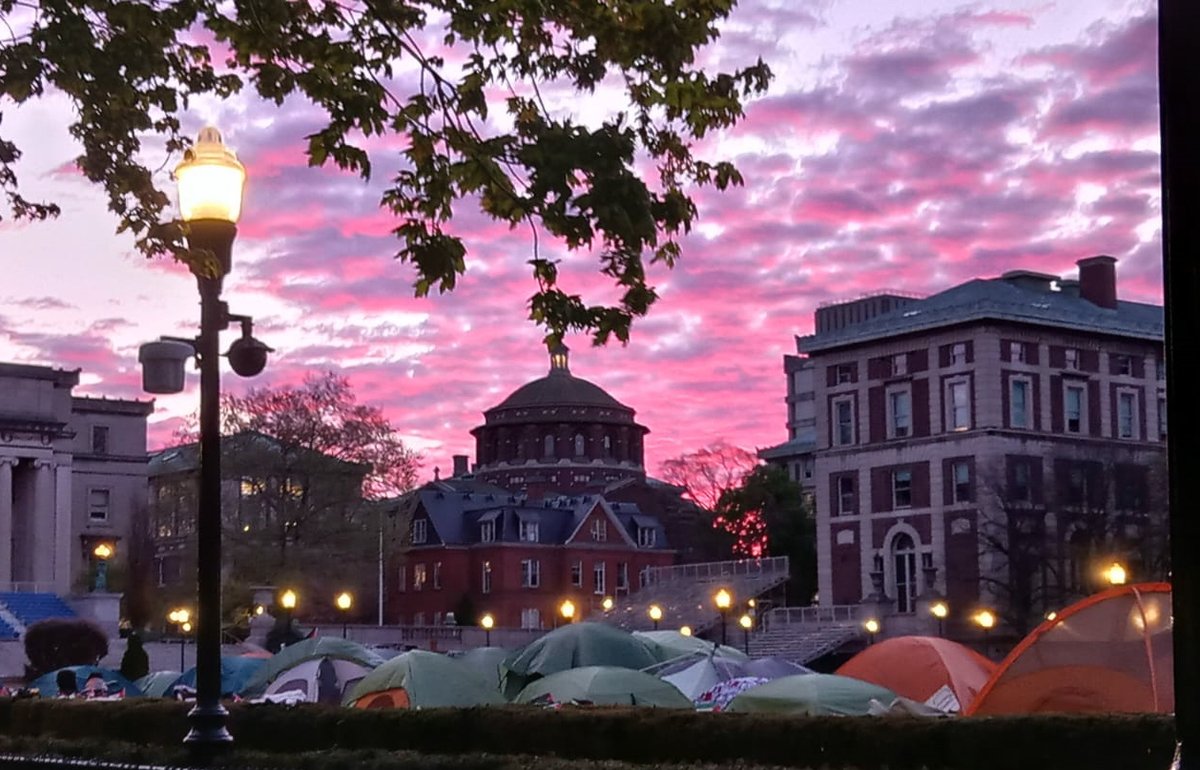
[[801, 645]]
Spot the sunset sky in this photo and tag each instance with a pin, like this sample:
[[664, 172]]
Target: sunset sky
[[896, 149]]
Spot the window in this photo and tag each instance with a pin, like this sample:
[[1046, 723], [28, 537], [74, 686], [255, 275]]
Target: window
[[900, 413], [843, 430], [1076, 486], [437, 619], [904, 572], [845, 495], [598, 578], [961, 471], [528, 531], [958, 353], [402, 579], [1162, 419], [643, 577], [487, 531], [623, 576], [1018, 403], [608, 446], [1020, 491], [1126, 418], [899, 364], [579, 445], [531, 619], [901, 489], [1071, 358], [1160, 370], [958, 405], [577, 574], [437, 576], [418, 577], [599, 530], [531, 573], [100, 439], [419, 531], [485, 578], [98, 502], [1073, 408], [548, 446], [646, 537], [845, 373], [1122, 365], [419, 619], [1016, 352]]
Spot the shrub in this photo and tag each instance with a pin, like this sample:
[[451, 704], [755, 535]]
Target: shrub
[[55, 643]]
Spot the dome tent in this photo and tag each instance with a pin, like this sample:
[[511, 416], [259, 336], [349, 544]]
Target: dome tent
[[573, 646], [1109, 652], [813, 695], [604, 686], [299, 667], [916, 667], [423, 679]]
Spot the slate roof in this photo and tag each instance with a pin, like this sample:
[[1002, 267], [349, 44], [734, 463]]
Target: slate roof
[[560, 389], [997, 299], [797, 446]]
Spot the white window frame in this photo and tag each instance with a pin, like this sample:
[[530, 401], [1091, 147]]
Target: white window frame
[[599, 575], [955, 481], [896, 488], [899, 364], [531, 573], [1026, 421], [437, 576], [1123, 364], [838, 403], [1071, 359], [1131, 420], [900, 420], [647, 537], [577, 574], [487, 531], [845, 495], [623, 576], [1016, 352], [528, 531], [1081, 418], [531, 619], [955, 410], [420, 531], [958, 354], [600, 530], [99, 508], [485, 578], [419, 577], [844, 374]]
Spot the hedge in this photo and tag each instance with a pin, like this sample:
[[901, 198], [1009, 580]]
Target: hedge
[[638, 736]]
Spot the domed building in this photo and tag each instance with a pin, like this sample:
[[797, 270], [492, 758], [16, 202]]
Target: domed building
[[559, 432]]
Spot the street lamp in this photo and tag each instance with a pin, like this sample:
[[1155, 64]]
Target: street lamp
[[103, 553], [986, 620], [724, 600], [607, 604], [344, 602], [655, 613], [181, 618], [487, 621], [940, 610], [872, 627], [747, 623], [567, 610], [288, 600], [685, 630], [1116, 574]]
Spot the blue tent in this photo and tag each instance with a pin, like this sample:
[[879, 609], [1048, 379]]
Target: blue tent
[[236, 672], [47, 684]]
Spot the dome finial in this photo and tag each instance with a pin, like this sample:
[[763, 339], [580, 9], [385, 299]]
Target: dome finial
[[558, 359]]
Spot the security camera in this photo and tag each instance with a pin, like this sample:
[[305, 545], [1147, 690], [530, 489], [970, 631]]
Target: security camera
[[248, 356]]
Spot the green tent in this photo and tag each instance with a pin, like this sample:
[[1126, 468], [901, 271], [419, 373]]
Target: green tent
[[156, 684], [672, 644], [812, 695], [486, 660], [309, 649], [422, 679], [605, 686], [573, 646]]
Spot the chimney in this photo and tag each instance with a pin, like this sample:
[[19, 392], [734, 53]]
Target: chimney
[[1098, 281], [460, 465]]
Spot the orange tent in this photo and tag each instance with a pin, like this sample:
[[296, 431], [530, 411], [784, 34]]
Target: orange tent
[[1108, 652], [918, 666]]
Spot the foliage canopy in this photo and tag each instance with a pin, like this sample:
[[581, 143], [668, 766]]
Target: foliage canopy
[[434, 72]]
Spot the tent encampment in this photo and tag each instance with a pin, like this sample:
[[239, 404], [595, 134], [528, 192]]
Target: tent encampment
[[574, 646], [672, 644], [297, 668], [916, 667], [236, 673]]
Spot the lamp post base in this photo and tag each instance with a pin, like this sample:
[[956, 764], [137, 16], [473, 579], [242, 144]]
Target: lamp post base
[[208, 736]]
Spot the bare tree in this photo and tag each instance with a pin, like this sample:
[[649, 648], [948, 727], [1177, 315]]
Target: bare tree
[[705, 477]]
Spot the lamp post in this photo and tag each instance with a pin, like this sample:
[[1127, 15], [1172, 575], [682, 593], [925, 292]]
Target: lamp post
[[1116, 574], [210, 181], [724, 600], [344, 602], [487, 621], [747, 623], [103, 553], [685, 630], [986, 620], [287, 600], [567, 610], [872, 627], [607, 604], [655, 613], [181, 618], [940, 610]]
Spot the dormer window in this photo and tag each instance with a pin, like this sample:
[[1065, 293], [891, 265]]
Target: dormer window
[[528, 531], [647, 537], [599, 530], [487, 531], [420, 531]]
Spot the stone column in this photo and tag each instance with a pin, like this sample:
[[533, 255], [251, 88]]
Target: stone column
[[6, 520], [62, 529], [43, 524]]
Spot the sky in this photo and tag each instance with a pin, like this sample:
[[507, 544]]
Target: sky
[[901, 146]]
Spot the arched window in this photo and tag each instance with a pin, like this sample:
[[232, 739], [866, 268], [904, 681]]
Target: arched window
[[904, 574], [548, 446], [579, 445], [608, 446]]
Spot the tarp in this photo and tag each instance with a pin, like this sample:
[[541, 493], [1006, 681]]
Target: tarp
[[604, 686], [47, 684], [422, 679], [236, 673], [156, 684], [671, 644], [1109, 652], [717, 697], [573, 646], [697, 673], [916, 667], [486, 660], [308, 650], [813, 695]]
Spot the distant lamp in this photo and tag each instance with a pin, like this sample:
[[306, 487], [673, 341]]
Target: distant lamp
[[872, 628], [685, 630], [940, 610], [746, 622], [1116, 574], [182, 620], [103, 552], [259, 609], [287, 600], [985, 619], [607, 604], [186, 627], [656, 614], [1051, 615], [488, 622], [724, 600], [344, 602], [567, 610]]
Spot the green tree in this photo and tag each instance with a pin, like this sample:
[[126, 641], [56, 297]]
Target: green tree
[[437, 73], [770, 512]]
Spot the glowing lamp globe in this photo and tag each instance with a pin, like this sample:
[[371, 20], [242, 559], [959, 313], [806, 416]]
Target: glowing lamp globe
[[487, 621], [288, 600], [210, 180], [345, 601], [939, 610], [746, 622], [655, 613], [723, 599]]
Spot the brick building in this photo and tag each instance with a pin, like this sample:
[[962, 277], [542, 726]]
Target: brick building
[[949, 430]]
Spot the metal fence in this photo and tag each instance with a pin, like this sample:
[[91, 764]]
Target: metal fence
[[837, 614], [715, 570]]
